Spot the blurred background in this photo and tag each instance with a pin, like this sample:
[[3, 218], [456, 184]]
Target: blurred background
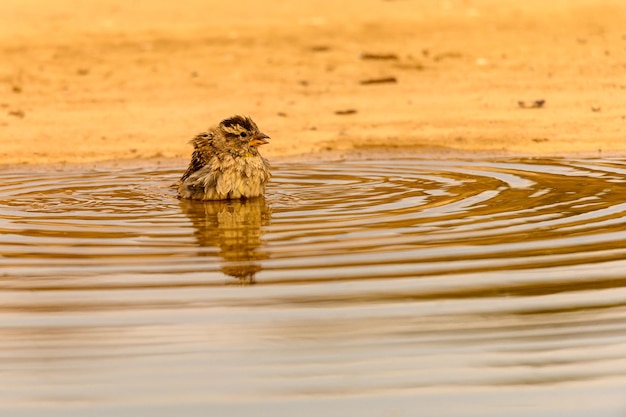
[[98, 79]]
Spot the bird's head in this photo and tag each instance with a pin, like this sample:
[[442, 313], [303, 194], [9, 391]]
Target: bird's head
[[241, 133]]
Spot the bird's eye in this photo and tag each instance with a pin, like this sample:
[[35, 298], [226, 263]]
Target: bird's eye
[[243, 134]]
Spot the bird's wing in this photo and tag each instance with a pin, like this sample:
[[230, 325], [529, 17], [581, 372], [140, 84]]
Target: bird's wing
[[202, 140], [200, 157], [204, 184]]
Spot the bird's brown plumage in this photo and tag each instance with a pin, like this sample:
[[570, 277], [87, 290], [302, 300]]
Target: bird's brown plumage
[[226, 163]]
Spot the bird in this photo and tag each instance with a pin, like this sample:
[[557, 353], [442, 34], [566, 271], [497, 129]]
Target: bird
[[226, 163]]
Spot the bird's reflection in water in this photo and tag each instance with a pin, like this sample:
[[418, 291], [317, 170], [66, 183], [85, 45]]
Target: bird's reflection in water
[[235, 227]]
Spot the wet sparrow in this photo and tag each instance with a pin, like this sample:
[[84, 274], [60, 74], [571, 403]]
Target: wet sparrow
[[226, 163]]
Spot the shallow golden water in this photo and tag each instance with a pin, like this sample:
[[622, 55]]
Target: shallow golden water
[[365, 288]]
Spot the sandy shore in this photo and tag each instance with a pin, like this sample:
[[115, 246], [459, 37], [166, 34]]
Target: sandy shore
[[111, 80]]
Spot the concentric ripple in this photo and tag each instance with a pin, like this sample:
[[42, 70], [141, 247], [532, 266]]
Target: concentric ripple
[[452, 287]]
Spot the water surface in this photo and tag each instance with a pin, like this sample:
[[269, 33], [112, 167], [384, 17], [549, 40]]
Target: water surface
[[363, 288]]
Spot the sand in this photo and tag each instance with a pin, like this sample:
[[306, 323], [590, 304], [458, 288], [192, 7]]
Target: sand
[[102, 80]]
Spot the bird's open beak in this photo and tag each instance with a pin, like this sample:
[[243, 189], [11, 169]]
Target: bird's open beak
[[259, 139]]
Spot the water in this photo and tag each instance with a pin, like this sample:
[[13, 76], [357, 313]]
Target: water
[[364, 288]]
